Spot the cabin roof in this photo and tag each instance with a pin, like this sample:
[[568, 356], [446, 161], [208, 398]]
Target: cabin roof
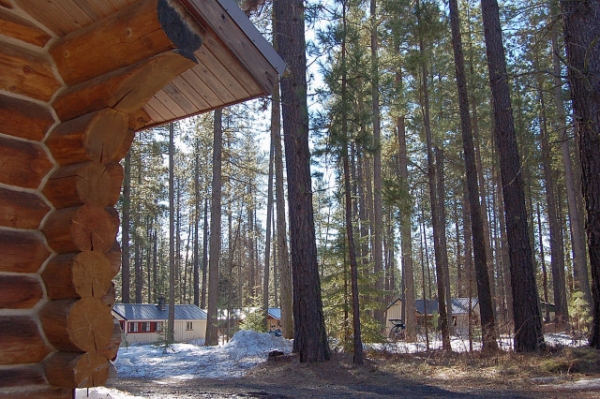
[[145, 311], [459, 305], [235, 62]]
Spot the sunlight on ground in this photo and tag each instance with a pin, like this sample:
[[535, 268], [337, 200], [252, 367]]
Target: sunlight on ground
[[248, 349]]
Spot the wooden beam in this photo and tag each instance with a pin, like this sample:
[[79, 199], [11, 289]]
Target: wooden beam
[[84, 228], [127, 89], [140, 31], [114, 255], [100, 136], [19, 292], [26, 72], [90, 183], [77, 325], [22, 251], [22, 164], [110, 351], [78, 275], [22, 375], [24, 119], [77, 370], [15, 26], [22, 210], [21, 341], [45, 392]]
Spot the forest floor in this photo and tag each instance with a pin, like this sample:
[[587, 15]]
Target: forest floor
[[565, 373]]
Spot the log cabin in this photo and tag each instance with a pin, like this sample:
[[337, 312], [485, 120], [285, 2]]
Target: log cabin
[[78, 78], [146, 323], [463, 313]]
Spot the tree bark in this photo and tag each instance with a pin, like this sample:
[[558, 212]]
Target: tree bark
[[170, 337], [406, 213], [581, 27], [285, 273], [528, 327], [212, 332], [557, 250], [266, 274], [574, 200], [126, 209], [441, 288], [357, 357], [478, 238], [310, 336]]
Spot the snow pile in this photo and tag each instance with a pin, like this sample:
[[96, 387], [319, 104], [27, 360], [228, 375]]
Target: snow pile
[[184, 361]]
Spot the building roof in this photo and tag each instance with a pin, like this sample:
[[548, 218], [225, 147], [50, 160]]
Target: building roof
[[145, 311], [234, 62], [459, 305], [275, 313]]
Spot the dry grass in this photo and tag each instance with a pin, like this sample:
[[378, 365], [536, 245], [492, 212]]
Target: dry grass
[[499, 369]]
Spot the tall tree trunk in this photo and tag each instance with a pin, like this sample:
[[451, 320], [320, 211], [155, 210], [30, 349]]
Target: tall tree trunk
[[250, 246], [528, 326], [171, 318], [266, 275], [543, 264], [357, 357], [204, 256], [574, 201], [377, 180], [441, 288], [212, 327], [478, 239], [125, 220], [310, 335], [443, 243], [557, 251], [406, 232], [581, 27], [285, 273], [196, 242], [137, 251]]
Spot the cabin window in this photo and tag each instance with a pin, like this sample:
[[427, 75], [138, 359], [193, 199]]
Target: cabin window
[[144, 327], [189, 326], [159, 326], [132, 327]]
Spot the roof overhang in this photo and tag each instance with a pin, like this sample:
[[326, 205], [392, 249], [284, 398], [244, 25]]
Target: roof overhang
[[234, 63]]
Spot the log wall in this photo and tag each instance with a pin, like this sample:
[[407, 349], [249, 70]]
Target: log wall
[[67, 108]]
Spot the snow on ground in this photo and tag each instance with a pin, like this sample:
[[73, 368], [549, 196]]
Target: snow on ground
[[462, 345], [193, 360], [245, 350]]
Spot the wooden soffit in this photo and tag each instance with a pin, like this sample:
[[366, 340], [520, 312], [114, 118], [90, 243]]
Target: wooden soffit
[[234, 63]]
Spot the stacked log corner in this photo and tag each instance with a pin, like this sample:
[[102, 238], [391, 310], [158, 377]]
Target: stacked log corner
[[68, 109], [81, 231]]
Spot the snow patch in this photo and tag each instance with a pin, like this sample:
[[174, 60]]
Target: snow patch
[[245, 350]]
